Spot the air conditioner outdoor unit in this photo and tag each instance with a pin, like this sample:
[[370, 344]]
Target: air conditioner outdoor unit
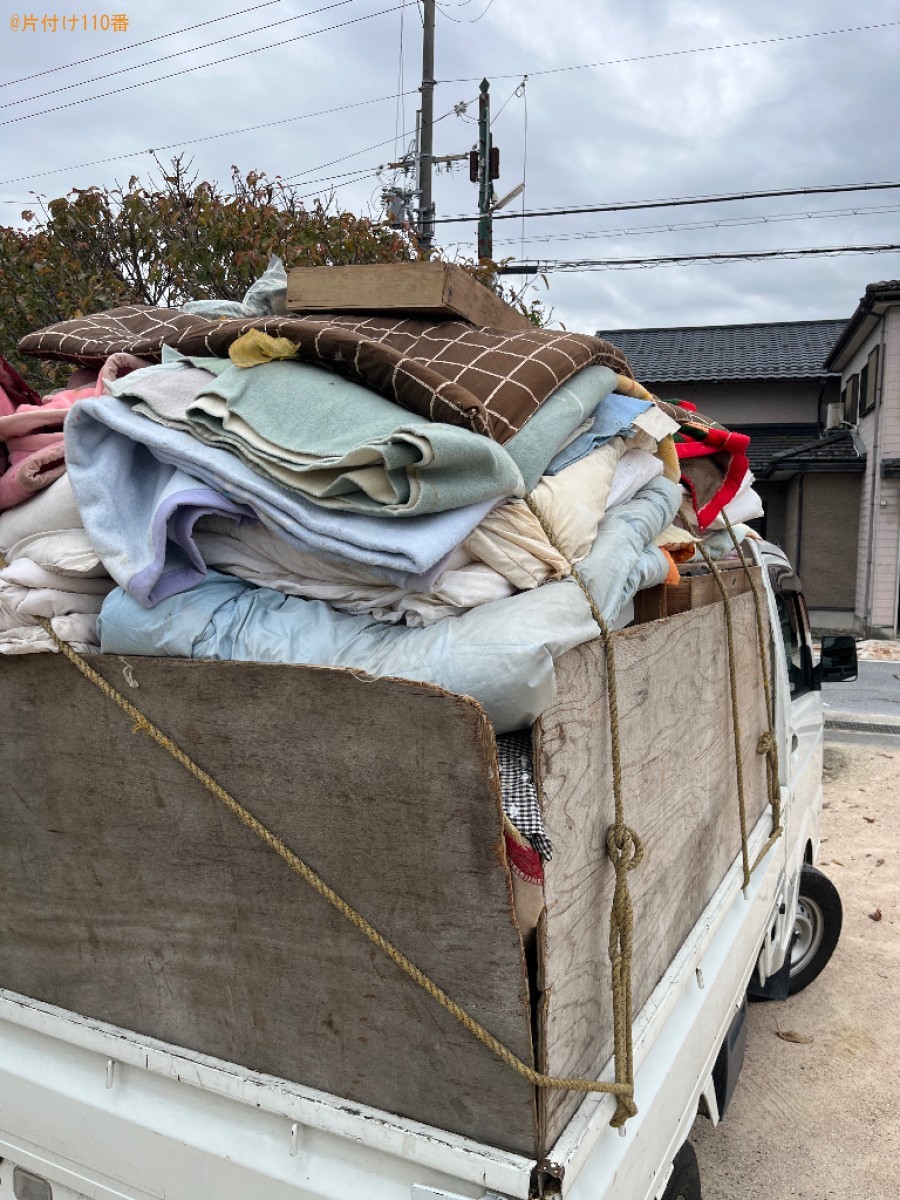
[[834, 414]]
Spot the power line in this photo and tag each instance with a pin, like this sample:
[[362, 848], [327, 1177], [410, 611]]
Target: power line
[[471, 20], [721, 223], [399, 111], [624, 264], [206, 138], [202, 66], [681, 201], [615, 62], [348, 176], [134, 45], [515, 92], [67, 87], [354, 153]]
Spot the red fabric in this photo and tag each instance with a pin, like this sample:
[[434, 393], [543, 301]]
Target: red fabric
[[734, 443], [725, 451], [524, 860], [734, 477]]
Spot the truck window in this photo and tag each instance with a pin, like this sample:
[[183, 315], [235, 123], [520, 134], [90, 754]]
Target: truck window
[[796, 641]]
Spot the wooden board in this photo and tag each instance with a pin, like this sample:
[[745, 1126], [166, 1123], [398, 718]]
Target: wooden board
[[129, 894], [650, 604], [680, 796], [431, 289], [695, 591]]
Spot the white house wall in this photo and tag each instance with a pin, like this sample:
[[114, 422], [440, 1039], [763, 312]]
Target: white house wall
[[879, 519]]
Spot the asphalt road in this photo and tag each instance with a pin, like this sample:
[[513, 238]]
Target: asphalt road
[[875, 693]]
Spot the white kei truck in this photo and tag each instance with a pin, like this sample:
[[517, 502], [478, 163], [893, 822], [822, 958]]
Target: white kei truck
[[182, 1018]]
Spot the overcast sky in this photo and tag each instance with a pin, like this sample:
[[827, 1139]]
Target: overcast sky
[[801, 112]]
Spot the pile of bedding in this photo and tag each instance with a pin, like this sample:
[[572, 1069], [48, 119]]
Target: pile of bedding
[[371, 493]]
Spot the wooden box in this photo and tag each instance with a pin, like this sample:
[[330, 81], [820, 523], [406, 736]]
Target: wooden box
[[696, 590], [428, 289], [131, 895]]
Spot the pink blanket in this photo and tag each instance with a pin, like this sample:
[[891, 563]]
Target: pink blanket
[[31, 428]]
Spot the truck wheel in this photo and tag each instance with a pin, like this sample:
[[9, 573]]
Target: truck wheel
[[817, 927], [684, 1182]]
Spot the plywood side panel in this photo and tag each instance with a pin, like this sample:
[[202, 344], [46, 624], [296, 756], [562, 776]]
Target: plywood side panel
[[680, 796], [419, 289], [129, 894]]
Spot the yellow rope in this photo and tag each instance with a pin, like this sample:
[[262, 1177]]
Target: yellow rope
[[735, 714], [623, 1091], [625, 849], [768, 743]]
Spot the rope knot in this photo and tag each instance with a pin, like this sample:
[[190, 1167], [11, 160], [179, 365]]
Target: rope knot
[[625, 1109], [624, 847], [766, 744]]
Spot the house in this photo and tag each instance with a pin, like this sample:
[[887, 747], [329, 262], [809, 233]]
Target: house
[[866, 354], [769, 381]]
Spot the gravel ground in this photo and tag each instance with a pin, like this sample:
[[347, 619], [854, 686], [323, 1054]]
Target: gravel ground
[[879, 651], [818, 1117]]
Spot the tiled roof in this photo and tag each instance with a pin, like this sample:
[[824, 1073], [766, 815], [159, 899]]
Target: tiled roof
[[799, 447], [878, 298], [786, 350]]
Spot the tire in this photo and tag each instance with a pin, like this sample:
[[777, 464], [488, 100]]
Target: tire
[[684, 1182], [817, 928]]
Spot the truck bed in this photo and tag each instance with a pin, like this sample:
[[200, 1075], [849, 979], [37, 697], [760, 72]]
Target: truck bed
[[129, 897]]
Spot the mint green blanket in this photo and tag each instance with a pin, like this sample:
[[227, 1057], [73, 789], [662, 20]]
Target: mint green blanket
[[347, 447]]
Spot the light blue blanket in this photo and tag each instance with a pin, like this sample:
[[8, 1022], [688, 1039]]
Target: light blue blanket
[[123, 467], [613, 417], [501, 653]]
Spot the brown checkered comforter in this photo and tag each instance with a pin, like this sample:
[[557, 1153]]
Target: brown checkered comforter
[[487, 380]]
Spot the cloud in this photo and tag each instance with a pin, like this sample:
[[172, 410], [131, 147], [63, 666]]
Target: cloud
[[804, 111]]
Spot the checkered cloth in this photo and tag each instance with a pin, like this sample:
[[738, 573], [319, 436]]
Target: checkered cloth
[[518, 789], [488, 380]]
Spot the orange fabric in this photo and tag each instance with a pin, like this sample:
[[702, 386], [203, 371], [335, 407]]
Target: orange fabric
[[674, 576]]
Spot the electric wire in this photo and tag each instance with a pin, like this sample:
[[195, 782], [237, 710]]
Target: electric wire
[[682, 201], [720, 223], [67, 87], [345, 176], [512, 95], [460, 21], [202, 66], [80, 62], [399, 111], [206, 138], [621, 264], [354, 153], [615, 62]]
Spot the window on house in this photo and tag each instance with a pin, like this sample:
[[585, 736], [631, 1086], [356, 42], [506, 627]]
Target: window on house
[[850, 397], [868, 382]]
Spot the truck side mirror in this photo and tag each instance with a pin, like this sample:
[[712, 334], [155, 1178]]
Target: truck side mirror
[[838, 663]]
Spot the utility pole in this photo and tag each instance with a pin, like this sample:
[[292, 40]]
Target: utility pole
[[426, 127], [486, 172]]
